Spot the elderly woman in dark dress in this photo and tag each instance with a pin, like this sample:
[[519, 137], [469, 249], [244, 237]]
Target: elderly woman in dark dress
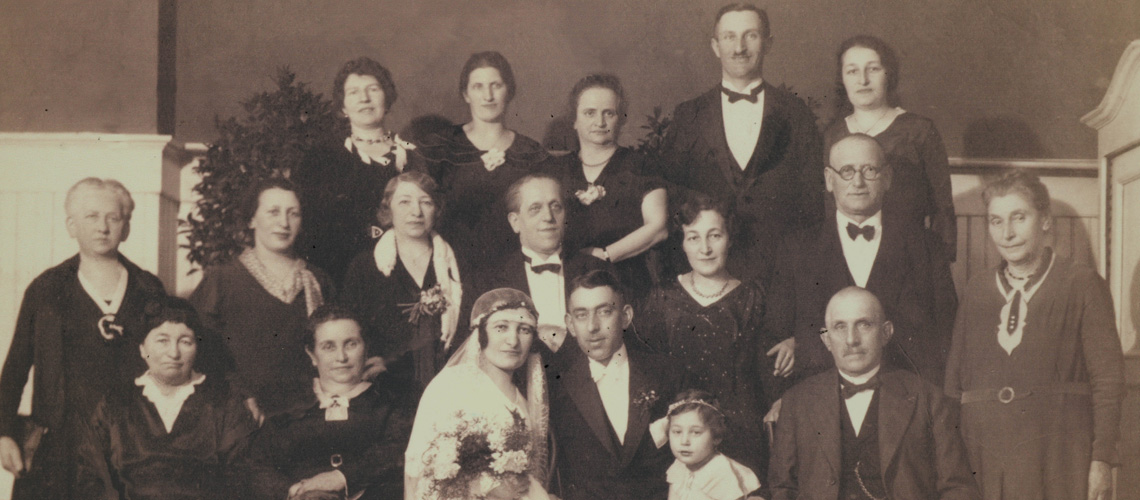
[[1036, 360], [407, 289], [920, 185], [259, 301], [474, 163], [346, 438], [174, 433], [712, 323], [341, 183], [618, 211]]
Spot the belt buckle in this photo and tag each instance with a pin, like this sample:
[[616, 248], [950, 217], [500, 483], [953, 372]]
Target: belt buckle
[[1006, 394], [336, 460]]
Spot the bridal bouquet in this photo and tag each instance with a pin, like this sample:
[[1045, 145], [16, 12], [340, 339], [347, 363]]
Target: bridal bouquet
[[432, 303], [472, 455]]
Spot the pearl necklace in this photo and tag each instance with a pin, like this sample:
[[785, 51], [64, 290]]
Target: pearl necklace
[[598, 164], [693, 285]]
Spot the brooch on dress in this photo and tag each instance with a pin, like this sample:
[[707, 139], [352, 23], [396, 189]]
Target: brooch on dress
[[493, 158], [592, 193]]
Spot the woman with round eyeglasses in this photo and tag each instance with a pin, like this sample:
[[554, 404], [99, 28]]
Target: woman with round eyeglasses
[[474, 163], [1036, 360], [618, 212], [869, 77], [713, 323]]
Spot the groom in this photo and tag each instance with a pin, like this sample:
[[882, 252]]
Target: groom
[[604, 399]]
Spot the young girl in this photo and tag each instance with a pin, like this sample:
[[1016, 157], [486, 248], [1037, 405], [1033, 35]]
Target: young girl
[[696, 428]]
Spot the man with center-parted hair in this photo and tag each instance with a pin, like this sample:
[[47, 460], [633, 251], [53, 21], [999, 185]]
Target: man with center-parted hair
[[862, 430], [607, 401], [74, 327], [542, 268], [750, 143]]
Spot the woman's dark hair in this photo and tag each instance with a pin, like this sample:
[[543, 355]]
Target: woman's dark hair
[[600, 81], [325, 314], [706, 406], [887, 57], [422, 181], [693, 206], [1019, 181], [364, 66], [488, 59], [251, 200], [161, 309]]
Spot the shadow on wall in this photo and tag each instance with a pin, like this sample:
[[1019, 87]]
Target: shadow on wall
[[1001, 137], [422, 127], [560, 134], [1133, 311]]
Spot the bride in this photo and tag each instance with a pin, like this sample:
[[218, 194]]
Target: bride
[[475, 430]]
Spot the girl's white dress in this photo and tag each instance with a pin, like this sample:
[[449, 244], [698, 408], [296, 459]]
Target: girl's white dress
[[721, 478]]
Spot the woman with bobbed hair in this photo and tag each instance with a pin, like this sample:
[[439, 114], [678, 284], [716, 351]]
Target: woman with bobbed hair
[[712, 323], [474, 163], [618, 212], [868, 75], [407, 290], [341, 182], [259, 301], [1035, 360]]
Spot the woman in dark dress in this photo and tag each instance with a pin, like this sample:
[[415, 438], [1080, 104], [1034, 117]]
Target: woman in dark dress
[[1036, 360], [174, 433], [617, 212], [476, 162], [345, 438], [407, 289], [341, 183], [259, 301], [712, 323], [920, 184]]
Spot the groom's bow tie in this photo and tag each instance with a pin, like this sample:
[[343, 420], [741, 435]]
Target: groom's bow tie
[[734, 96]]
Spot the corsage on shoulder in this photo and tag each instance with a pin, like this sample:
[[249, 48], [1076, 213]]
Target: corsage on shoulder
[[592, 193]]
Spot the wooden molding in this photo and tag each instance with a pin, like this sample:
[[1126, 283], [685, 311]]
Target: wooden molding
[[1127, 69]]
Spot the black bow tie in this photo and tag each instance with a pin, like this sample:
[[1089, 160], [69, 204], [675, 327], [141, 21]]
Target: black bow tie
[[734, 96], [850, 389], [854, 231], [542, 268]]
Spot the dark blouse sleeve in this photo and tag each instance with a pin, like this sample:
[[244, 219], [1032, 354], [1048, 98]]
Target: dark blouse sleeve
[[651, 327], [1105, 364], [96, 475], [937, 168], [262, 465], [20, 359], [207, 299], [382, 465]]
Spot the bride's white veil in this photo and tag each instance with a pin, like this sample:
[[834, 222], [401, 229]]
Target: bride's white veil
[[538, 407]]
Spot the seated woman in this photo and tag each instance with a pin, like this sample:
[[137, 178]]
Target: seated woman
[[173, 434], [617, 212], [340, 182], [474, 163], [407, 289], [259, 302], [345, 439], [920, 180], [712, 323], [479, 385]]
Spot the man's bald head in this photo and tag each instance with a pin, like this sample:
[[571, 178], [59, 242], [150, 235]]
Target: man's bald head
[[866, 145], [857, 330]]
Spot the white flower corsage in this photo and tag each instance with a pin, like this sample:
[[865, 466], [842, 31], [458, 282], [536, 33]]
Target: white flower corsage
[[592, 193], [493, 159]]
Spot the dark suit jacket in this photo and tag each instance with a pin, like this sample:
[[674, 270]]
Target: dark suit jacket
[[592, 464], [921, 451], [512, 272], [782, 187], [910, 277]]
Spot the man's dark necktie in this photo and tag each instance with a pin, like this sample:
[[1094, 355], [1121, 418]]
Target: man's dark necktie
[[734, 96], [849, 389], [854, 231]]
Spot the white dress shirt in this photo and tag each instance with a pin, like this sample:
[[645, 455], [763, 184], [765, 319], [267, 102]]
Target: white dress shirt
[[858, 404], [742, 122], [613, 386], [548, 291], [860, 253]]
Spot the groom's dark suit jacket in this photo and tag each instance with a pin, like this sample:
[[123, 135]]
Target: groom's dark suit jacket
[[922, 456], [780, 190], [910, 277], [592, 463]]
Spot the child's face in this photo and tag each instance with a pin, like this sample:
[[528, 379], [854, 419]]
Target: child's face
[[691, 441]]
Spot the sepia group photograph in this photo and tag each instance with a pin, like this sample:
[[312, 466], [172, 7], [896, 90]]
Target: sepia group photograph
[[570, 250]]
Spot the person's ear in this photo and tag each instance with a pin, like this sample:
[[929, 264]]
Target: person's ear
[[72, 229], [766, 45], [715, 47], [142, 352], [826, 340], [888, 331], [829, 179], [570, 326], [513, 220], [126, 230], [626, 316], [312, 357], [1046, 221]]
